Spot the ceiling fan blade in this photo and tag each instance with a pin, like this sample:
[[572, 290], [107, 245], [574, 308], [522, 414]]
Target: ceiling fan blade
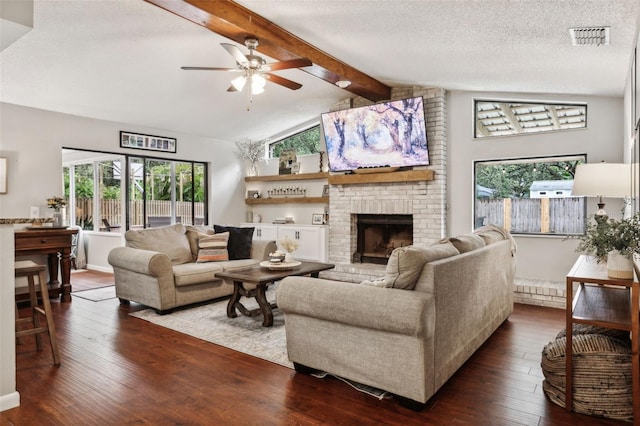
[[282, 81], [236, 53], [293, 63], [232, 89], [210, 69]]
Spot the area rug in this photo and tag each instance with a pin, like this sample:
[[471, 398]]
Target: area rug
[[243, 334], [97, 294]]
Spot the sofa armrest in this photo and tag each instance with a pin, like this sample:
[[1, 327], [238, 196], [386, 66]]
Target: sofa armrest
[[145, 262], [260, 249], [385, 309]]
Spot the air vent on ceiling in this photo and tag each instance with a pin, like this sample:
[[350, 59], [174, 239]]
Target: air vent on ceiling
[[591, 36]]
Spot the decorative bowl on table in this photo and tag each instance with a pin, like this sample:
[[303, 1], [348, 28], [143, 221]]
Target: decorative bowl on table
[[274, 266], [276, 257]]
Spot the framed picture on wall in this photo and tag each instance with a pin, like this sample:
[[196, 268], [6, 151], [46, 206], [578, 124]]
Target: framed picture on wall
[[3, 175], [317, 219], [287, 158], [148, 142]]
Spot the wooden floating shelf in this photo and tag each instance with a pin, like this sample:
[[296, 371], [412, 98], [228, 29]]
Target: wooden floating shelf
[[281, 178], [406, 176], [288, 200]]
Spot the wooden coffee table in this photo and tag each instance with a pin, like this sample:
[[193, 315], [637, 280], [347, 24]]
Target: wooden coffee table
[[261, 277]]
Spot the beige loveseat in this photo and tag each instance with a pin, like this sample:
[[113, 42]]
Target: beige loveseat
[[408, 339], [159, 267]]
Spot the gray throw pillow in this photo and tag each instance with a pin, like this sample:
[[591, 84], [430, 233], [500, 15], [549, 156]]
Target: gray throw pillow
[[467, 242], [492, 234], [406, 263]]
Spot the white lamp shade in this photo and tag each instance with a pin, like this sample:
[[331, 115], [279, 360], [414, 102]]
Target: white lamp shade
[[238, 82], [612, 180], [257, 84]]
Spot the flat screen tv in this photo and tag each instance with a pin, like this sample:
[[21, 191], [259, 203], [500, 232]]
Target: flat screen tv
[[386, 134]]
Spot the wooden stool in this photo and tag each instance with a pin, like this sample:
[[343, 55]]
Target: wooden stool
[[30, 269]]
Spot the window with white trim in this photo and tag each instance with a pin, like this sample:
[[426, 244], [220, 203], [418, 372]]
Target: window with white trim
[[502, 118], [529, 195]]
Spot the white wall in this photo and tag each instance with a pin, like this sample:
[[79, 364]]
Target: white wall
[[32, 141], [541, 257], [9, 397]]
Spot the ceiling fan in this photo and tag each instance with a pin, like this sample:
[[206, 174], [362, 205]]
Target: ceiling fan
[[255, 70]]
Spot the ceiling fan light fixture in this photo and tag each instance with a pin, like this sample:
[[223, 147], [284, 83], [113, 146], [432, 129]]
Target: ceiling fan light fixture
[[258, 81], [239, 82], [257, 84]]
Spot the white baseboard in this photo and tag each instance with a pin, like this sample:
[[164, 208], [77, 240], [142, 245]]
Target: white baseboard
[[99, 268], [10, 400]]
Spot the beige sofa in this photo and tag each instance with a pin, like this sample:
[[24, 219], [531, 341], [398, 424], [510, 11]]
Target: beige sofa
[[405, 342], [159, 267]]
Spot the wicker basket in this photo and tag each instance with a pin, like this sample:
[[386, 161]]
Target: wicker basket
[[601, 373]]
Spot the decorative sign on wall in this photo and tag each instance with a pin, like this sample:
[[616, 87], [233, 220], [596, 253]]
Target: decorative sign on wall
[[148, 142], [287, 158]]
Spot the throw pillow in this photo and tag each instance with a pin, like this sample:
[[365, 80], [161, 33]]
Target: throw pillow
[[213, 248], [467, 242], [491, 233], [239, 241], [406, 263], [193, 235]]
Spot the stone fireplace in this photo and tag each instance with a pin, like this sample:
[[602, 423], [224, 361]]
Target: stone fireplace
[[377, 235], [422, 200]]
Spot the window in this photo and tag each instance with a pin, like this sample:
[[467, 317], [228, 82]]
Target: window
[[162, 192], [304, 142], [158, 192], [500, 118], [529, 196]]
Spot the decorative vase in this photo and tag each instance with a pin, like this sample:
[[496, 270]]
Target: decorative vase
[[619, 266], [59, 217], [288, 257], [253, 169]]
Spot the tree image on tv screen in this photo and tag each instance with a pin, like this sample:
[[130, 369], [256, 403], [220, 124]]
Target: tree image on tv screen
[[385, 134]]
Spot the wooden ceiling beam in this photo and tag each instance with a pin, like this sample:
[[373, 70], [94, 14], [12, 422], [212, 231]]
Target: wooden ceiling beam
[[236, 22]]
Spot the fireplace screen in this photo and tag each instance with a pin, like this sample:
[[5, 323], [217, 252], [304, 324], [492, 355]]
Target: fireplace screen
[[378, 235]]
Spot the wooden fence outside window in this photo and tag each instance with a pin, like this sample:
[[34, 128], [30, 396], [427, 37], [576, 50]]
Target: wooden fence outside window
[[559, 216], [111, 210]]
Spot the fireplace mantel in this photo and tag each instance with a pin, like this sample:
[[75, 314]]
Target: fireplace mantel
[[358, 179]]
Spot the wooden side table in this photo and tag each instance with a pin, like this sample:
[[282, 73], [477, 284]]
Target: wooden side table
[[56, 243], [604, 302]]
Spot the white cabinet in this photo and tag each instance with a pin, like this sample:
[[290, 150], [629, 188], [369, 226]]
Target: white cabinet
[[312, 239], [263, 232]]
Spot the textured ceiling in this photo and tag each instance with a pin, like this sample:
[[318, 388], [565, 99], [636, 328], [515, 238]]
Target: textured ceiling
[[120, 60]]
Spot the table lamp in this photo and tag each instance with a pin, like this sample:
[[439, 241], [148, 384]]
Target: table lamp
[[612, 180]]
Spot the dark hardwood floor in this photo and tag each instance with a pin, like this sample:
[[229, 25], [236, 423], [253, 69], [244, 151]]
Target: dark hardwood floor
[[119, 370]]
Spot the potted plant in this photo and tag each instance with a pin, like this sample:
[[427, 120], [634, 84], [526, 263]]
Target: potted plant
[[57, 204], [290, 246], [615, 240]]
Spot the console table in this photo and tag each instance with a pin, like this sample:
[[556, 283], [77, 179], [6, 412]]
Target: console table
[[56, 243], [604, 302]]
